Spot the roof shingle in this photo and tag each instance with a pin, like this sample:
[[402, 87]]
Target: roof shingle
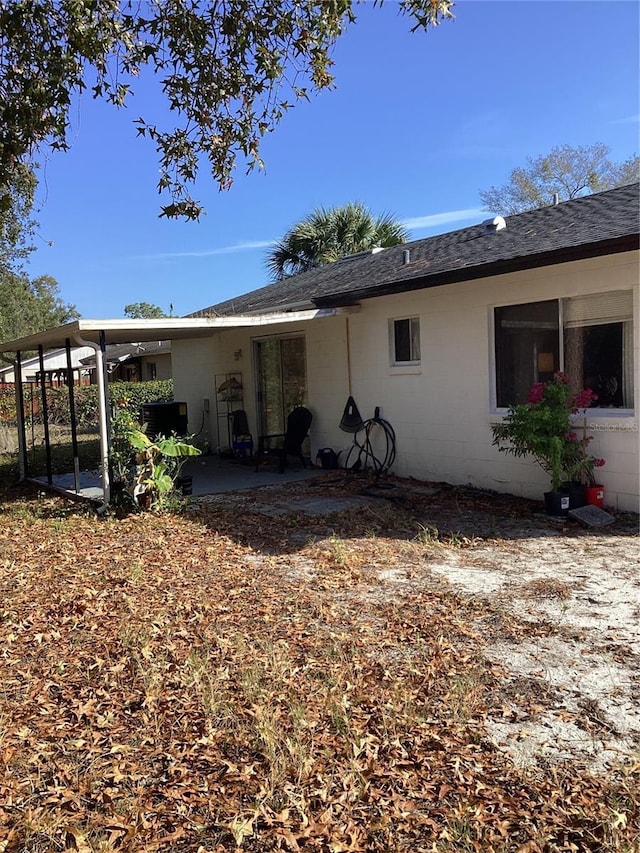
[[589, 226]]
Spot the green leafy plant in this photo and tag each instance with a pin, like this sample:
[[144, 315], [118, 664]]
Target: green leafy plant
[[121, 452], [158, 465], [580, 465], [543, 428], [143, 471]]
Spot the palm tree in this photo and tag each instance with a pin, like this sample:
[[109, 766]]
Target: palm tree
[[327, 235]]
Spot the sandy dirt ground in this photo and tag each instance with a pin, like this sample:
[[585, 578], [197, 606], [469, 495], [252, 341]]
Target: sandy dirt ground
[[581, 596], [558, 606]]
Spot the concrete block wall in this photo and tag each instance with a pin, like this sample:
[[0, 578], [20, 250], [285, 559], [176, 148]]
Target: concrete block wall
[[442, 409]]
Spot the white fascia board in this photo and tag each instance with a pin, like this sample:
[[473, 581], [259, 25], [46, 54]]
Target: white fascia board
[[172, 328]]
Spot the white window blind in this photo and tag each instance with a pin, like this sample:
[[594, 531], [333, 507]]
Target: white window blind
[[597, 308]]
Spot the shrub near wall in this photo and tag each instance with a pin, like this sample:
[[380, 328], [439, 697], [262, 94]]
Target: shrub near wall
[[132, 395], [86, 403], [125, 395]]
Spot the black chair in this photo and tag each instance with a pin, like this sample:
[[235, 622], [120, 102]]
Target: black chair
[[289, 443], [241, 438]]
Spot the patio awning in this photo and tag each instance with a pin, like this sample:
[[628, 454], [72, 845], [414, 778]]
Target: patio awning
[[101, 333], [168, 328]]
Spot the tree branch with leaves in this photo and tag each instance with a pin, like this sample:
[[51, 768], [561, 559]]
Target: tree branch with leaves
[[16, 222], [144, 310], [228, 70]]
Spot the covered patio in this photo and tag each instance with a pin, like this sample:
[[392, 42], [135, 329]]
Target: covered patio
[[210, 474]]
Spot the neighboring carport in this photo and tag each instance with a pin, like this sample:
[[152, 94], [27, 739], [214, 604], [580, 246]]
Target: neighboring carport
[[98, 334]]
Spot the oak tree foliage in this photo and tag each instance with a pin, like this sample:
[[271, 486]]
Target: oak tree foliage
[[16, 222], [228, 71], [27, 305], [30, 305], [143, 310], [569, 172]]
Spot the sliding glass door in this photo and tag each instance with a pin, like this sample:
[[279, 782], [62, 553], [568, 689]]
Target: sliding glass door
[[281, 381]]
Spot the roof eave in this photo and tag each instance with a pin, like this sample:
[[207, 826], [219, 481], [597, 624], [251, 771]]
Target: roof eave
[[82, 331]]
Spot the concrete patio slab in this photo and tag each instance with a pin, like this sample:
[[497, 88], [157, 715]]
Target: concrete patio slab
[[212, 475]]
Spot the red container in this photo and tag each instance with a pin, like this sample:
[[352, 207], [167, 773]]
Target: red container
[[595, 495]]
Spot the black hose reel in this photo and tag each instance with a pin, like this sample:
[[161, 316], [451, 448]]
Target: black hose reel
[[374, 446]]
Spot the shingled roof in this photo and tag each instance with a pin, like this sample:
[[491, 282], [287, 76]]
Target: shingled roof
[[586, 227]]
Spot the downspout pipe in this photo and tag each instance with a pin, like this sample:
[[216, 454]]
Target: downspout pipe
[[102, 418]]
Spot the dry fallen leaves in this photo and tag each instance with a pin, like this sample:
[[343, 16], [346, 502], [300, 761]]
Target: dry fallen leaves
[[205, 683]]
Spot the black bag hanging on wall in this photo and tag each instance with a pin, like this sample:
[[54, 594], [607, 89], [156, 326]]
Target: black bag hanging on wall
[[351, 417]]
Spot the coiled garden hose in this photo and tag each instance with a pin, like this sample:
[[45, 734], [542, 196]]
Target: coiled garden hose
[[373, 448]]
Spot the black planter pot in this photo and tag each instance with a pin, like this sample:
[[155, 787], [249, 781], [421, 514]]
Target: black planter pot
[[577, 497], [557, 503], [184, 485], [118, 487], [119, 495]]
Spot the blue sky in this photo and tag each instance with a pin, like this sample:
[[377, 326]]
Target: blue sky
[[417, 125]]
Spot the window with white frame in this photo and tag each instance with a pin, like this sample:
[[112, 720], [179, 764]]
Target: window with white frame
[[590, 338], [404, 341]]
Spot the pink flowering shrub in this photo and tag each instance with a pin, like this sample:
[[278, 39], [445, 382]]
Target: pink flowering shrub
[[542, 428], [536, 393]]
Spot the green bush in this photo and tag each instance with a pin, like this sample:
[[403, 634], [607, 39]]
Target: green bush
[[543, 428], [7, 404], [86, 405], [31, 395], [123, 395], [132, 395]]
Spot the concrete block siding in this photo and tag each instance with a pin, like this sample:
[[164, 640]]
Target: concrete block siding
[[441, 410]]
